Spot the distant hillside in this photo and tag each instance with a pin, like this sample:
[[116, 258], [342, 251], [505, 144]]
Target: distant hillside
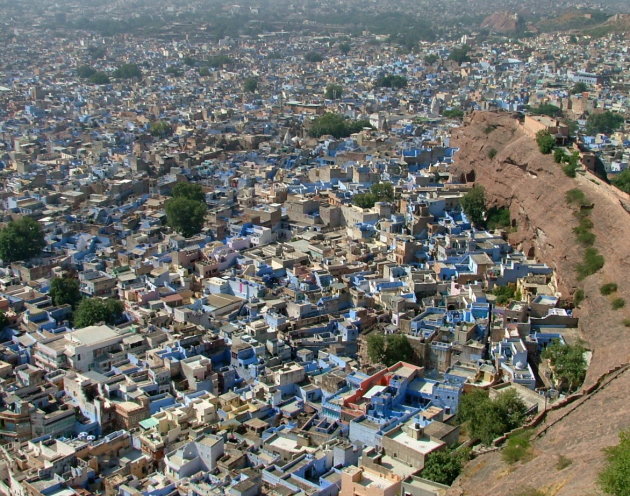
[[619, 23], [572, 20], [502, 22]]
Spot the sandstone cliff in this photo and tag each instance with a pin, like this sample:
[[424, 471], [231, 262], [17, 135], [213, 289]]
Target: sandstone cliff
[[534, 188]]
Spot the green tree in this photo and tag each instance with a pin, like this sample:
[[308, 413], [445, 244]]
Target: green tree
[[99, 78], [397, 349], [568, 363], [217, 61], [431, 59], [383, 191], [204, 71], [474, 204], [173, 70], [363, 200], [376, 347], [21, 240], [454, 113], [605, 123], [94, 310], [336, 125], [85, 71], [160, 129], [614, 479], [504, 294], [345, 48], [443, 466], [250, 85], [546, 109], [192, 191], [558, 155], [128, 71], [65, 291], [333, 92], [545, 141], [313, 57], [185, 216], [579, 88], [622, 181], [460, 54], [488, 419], [391, 81]]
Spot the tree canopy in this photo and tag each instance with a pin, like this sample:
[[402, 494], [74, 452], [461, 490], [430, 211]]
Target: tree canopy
[[431, 59], [454, 113], [579, 88], [336, 125], [545, 141], [4, 320], [128, 71], [569, 365], [443, 466], [185, 215], [65, 291], [605, 123], [93, 310], [460, 54], [546, 109], [389, 349], [333, 91], [614, 479], [474, 204], [313, 57], [21, 240], [250, 85], [622, 181], [391, 81], [379, 192], [488, 419], [192, 191], [160, 129]]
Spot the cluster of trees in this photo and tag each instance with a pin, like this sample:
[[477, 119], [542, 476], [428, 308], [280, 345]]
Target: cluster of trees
[[391, 81], [336, 125], [431, 59], [389, 349], [313, 57], [443, 466], [568, 363], [379, 192], [128, 71], [160, 129], [579, 88], [545, 141], [546, 109], [486, 418], [250, 85], [186, 210], [460, 54], [454, 113], [91, 311], [92, 75], [333, 91], [506, 293], [21, 239], [473, 204], [606, 123]]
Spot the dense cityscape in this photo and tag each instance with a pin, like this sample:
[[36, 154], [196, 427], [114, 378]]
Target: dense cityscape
[[295, 248]]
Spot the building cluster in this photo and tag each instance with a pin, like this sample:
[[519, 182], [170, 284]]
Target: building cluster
[[242, 362]]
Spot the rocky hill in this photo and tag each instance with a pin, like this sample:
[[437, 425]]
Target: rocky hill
[[501, 22], [534, 188]]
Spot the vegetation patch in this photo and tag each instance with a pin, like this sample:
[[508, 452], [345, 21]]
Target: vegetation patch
[[489, 128], [578, 297], [443, 466], [614, 479], [608, 288], [576, 196], [545, 141], [592, 261], [488, 418], [336, 125], [492, 153], [389, 349], [618, 303], [518, 447], [379, 192], [498, 218], [568, 364]]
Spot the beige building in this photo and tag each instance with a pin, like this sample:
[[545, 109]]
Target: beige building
[[364, 481]]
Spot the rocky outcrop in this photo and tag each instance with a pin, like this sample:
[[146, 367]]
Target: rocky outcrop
[[501, 22], [534, 188]]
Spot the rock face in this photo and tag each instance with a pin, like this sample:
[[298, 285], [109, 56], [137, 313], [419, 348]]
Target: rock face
[[534, 188], [501, 22]]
